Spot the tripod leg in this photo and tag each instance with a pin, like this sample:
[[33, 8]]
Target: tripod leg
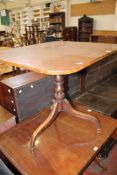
[[44, 125], [68, 108]]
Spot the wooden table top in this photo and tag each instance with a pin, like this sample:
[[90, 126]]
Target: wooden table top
[[60, 149], [105, 35], [4, 48], [57, 58], [4, 69]]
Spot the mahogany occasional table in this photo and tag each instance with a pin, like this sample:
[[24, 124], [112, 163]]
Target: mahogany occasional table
[[58, 58]]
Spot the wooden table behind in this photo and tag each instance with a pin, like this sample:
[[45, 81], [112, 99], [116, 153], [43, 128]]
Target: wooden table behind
[[59, 150]]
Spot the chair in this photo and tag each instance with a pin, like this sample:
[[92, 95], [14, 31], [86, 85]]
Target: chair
[[32, 35]]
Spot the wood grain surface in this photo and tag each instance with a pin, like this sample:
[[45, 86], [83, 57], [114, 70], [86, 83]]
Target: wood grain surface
[[105, 32], [3, 68], [60, 150], [22, 80], [57, 58], [4, 48]]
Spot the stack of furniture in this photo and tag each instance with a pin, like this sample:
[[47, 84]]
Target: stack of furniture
[[85, 28]]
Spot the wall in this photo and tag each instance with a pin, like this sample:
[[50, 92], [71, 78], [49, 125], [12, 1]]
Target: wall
[[101, 22]]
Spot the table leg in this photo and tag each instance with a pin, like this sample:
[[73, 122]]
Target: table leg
[[61, 104], [44, 125], [13, 70], [83, 74]]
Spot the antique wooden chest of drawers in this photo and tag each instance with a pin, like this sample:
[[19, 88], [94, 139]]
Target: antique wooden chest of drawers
[[26, 94], [104, 38]]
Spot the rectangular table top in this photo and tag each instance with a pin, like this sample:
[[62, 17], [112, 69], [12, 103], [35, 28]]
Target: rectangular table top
[[60, 149], [57, 58], [4, 48]]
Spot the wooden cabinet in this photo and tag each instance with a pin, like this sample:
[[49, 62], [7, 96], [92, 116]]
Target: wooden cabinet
[[70, 33], [57, 23], [104, 39], [23, 95], [85, 28]]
